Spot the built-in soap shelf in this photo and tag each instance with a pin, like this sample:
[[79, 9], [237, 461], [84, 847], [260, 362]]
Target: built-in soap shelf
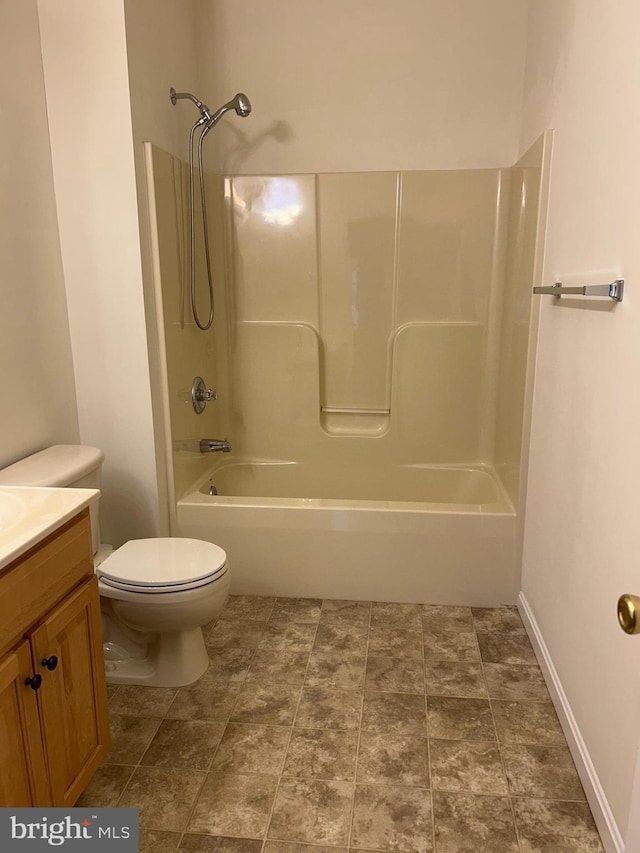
[[356, 422]]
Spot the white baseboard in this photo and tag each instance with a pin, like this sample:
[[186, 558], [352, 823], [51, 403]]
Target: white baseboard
[[602, 814]]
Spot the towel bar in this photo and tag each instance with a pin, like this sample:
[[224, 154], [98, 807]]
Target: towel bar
[[614, 290]]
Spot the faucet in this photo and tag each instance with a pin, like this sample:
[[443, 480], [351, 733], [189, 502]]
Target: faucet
[[210, 445]]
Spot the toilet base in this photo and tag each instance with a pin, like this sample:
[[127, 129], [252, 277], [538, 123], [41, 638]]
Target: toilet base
[[169, 660]]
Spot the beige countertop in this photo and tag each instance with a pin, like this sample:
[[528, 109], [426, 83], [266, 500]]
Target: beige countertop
[[29, 514]]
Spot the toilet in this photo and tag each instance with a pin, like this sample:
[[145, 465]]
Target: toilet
[[155, 594]]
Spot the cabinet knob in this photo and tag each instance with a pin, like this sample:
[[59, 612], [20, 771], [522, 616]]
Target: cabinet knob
[[34, 682], [50, 663]]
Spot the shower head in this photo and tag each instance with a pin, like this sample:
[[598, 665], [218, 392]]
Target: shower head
[[240, 103]]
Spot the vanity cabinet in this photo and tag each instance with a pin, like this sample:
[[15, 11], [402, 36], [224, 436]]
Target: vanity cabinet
[[54, 727]]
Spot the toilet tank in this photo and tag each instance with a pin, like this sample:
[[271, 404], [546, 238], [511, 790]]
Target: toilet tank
[[62, 466]]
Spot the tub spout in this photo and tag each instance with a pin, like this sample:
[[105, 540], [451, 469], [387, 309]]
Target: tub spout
[[211, 445]]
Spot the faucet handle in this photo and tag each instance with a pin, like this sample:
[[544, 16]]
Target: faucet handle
[[201, 395], [206, 396]]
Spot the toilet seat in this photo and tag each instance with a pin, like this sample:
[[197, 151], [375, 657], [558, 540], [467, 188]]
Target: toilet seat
[[163, 565]]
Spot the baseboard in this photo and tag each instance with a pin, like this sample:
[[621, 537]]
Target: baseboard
[[602, 814]]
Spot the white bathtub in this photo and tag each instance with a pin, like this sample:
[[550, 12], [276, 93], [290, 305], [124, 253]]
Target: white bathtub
[[414, 533]]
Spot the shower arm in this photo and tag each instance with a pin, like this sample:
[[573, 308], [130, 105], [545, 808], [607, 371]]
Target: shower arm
[[204, 109]]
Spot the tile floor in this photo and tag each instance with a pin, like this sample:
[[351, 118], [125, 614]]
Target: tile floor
[[346, 726]]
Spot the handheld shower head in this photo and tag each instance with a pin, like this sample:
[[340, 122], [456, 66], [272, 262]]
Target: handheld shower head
[[241, 104]]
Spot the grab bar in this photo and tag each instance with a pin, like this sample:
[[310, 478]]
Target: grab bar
[[614, 290]]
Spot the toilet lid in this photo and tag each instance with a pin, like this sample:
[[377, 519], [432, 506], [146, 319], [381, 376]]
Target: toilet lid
[[163, 563]]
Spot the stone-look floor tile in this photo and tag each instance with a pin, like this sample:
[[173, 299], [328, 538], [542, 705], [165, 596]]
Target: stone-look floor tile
[[455, 678], [204, 700], [398, 713], [184, 743], [156, 841], [235, 634], [321, 754], [341, 637], [541, 771], [248, 748], [130, 736], [337, 669], [467, 765], [269, 704], [506, 648], [137, 701], [553, 827], [165, 796], [503, 620], [396, 615], [452, 718], [284, 636], [232, 804], [326, 708], [450, 645], [393, 759], [392, 642], [388, 817], [527, 722], [297, 609], [219, 844], [248, 607], [228, 664], [468, 824], [353, 612], [394, 675], [515, 681], [106, 786], [279, 667], [311, 810], [291, 847], [437, 617], [111, 691]]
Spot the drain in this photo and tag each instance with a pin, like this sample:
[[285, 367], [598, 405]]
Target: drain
[[213, 490]]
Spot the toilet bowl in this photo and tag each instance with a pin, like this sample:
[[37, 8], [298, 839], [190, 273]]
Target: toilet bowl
[[155, 594]]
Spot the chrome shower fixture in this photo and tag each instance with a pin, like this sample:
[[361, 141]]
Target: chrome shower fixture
[[204, 109], [242, 106], [240, 103]]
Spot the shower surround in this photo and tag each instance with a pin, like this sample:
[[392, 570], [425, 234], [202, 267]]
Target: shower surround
[[370, 355]]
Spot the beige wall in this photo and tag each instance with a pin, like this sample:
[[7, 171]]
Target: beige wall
[[161, 54], [36, 376], [87, 87], [582, 537], [335, 86]]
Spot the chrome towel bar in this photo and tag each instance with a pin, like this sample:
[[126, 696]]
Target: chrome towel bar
[[614, 290]]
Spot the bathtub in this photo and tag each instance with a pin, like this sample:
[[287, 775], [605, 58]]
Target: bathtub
[[412, 533]]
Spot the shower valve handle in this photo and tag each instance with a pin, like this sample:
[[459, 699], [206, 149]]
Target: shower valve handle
[[206, 396], [201, 395]]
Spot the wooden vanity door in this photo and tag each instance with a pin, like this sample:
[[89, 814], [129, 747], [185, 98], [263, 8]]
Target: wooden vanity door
[[73, 696], [23, 781]]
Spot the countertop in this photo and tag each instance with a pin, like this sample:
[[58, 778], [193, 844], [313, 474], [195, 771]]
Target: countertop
[[29, 514]]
